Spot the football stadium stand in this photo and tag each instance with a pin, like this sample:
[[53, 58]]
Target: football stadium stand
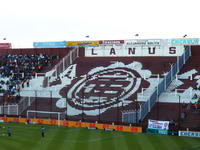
[[86, 84]]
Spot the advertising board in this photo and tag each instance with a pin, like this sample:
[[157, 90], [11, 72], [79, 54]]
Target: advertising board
[[189, 133], [157, 131], [82, 43], [111, 42], [5, 46], [49, 44], [157, 124], [145, 42], [185, 41]]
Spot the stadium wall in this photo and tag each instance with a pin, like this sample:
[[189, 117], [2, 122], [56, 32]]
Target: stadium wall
[[82, 52], [195, 51]]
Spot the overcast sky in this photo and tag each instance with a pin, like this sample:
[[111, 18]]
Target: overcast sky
[[58, 20]]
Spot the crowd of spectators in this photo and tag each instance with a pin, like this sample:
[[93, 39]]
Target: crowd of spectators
[[17, 70]]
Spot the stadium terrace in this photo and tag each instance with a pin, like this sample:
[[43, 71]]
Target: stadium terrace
[[134, 85]]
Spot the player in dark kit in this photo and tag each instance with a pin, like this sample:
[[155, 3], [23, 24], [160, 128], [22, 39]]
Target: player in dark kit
[[42, 130], [9, 131]]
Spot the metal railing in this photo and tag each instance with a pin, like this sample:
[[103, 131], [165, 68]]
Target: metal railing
[[162, 86], [16, 109]]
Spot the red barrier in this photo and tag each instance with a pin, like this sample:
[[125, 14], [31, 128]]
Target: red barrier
[[119, 128], [75, 124], [92, 125], [65, 123]]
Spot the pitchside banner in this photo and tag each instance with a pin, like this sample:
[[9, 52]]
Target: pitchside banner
[[189, 133], [157, 124], [49, 44]]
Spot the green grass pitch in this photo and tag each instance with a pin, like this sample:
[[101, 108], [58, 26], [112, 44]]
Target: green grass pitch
[[28, 137]]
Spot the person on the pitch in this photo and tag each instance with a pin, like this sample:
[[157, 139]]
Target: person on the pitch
[[42, 130], [9, 131]]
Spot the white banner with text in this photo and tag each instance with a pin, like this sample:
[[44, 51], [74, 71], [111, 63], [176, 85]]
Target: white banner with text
[[157, 124], [130, 51]]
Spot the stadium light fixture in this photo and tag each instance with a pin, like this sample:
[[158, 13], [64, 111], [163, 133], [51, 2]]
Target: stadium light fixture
[[185, 36], [136, 34]]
